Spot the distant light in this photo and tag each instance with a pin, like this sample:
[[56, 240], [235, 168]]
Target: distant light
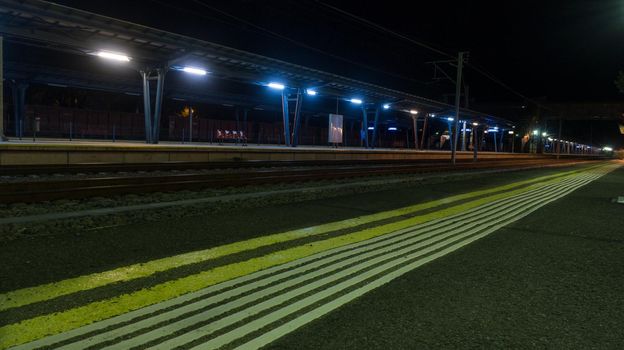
[[607, 149], [357, 101], [544, 134], [413, 111], [535, 132], [311, 92], [371, 128], [392, 128], [193, 70], [277, 86], [386, 106], [115, 56], [475, 123], [450, 119], [510, 132], [523, 107]]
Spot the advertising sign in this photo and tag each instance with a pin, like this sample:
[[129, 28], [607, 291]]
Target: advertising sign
[[335, 128]]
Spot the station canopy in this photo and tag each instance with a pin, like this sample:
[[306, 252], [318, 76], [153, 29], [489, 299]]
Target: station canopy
[[51, 26]]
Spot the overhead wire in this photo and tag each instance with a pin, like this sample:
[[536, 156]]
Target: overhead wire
[[431, 48], [295, 42]]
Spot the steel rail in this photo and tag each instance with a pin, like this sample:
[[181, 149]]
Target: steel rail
[[39, 191]]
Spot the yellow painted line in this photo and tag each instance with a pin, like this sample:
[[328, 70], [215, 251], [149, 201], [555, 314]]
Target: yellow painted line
[[38, 327], [52, 290]]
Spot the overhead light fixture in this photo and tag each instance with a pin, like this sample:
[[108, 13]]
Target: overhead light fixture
[[276, 86], [371, 128], [57, 85], [413, 112], [475, 123], [535, 132], [386, 106], [115, 56], [450, 119], [194, 70], [392, 128], [311, 92], [357, 101], [510, 132], [550, 139], [544, 134]]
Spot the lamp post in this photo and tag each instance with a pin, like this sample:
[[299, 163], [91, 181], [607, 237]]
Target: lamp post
[[2, 137]]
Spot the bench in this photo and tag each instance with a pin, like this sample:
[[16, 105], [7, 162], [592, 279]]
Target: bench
[[237, 136]]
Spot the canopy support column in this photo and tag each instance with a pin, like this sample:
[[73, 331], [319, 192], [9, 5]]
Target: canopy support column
[[375, 123], [364, 131], [286, 117], [160, 84], [297, 121]]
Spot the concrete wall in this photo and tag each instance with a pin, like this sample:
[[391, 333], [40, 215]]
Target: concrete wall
[[62, 154]]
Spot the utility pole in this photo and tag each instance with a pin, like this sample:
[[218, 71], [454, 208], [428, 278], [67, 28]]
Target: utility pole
[[475, 142], [466, 105], [559, 138], [2, 137], [460, 64], [422, 139], [191, 124], [415, 122]]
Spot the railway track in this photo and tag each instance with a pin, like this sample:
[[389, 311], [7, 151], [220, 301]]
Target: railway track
[[181, 166], [39, 191]]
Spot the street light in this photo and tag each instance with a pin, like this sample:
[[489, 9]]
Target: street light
[[413, 112], [194, 70], [276, 86], [356, 101], [115, 56], [311, 92]]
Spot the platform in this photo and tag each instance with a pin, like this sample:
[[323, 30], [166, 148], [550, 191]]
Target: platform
[[63, 152]]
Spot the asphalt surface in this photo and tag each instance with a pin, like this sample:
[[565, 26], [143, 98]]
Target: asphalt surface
[[553, 280], [472, 301]]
